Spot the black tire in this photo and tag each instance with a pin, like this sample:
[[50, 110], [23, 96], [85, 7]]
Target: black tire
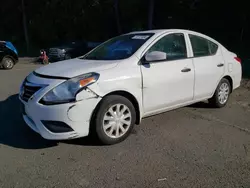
[[8, 63], [214, 101], [103, 108]]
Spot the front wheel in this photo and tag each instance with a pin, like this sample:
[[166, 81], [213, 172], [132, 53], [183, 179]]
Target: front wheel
[[8, 63], [221, 94], [115, 119]]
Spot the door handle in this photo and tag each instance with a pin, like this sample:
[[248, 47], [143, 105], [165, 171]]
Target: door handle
[[186, 70], [220, 65]]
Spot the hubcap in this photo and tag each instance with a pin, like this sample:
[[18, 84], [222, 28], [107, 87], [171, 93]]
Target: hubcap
[[223, 93], [117, 120], [8, 63]]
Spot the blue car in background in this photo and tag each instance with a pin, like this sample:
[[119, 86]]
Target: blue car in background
[[8, 55]]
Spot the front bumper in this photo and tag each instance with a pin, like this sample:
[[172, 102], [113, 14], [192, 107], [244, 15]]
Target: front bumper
[[76, 115]]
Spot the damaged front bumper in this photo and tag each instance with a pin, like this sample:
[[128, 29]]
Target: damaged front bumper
[[62, 121]]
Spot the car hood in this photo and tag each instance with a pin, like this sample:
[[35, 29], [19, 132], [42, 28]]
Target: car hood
[[75, 67]]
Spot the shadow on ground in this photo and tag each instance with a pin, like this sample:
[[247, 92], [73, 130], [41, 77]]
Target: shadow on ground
[[201, 105], [14, 132], [86, 141]]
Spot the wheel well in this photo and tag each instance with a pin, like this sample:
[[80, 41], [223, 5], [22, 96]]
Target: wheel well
[[230, 81], [132, 99]]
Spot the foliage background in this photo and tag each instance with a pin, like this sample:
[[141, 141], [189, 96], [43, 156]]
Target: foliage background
[[51, 21]]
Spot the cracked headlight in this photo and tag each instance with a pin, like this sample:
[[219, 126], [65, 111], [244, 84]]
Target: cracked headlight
[[67, 91]]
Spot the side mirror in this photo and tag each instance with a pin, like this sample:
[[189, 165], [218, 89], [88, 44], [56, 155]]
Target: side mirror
[[155, 56]]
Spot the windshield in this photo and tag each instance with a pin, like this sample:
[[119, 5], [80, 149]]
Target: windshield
[[120, 47]]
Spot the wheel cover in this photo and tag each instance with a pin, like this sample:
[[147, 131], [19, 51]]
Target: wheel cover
[[8, 63], [117, 121], [223, 93]]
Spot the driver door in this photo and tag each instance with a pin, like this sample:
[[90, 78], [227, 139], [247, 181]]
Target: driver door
[[168, 83]]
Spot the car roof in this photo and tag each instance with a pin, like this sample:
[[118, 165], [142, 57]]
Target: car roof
[[163, 31], [159, 31]]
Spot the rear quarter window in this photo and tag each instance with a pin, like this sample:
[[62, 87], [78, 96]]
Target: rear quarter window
[[202, 47], [213, 48]]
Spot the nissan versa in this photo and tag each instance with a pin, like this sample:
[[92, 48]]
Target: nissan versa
[[125, 79]]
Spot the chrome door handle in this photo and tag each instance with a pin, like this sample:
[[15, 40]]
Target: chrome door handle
[[186, 70], [220, 65]]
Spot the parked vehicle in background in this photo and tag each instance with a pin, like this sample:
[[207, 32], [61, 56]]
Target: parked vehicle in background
[[125, 79], [8, 55], [69, 50]]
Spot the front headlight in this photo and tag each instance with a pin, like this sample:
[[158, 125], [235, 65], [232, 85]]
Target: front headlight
[[67, 91]]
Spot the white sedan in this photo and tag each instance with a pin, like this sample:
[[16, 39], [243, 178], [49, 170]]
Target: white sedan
[[125, 79]]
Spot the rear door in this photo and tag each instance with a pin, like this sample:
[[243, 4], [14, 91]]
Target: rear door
[[209, 66]]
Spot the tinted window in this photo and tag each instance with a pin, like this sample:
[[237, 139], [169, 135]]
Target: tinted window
[[202, 47], [120, 47], [213, 47], [173, 45]]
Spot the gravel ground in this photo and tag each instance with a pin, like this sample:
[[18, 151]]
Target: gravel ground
[[195, 146]]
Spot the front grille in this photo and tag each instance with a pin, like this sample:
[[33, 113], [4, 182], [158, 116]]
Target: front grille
[[29, 90]]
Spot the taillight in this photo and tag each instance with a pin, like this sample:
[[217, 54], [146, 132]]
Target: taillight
[[238, 59]]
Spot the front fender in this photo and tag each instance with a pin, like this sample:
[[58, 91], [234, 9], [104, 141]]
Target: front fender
[[129, 86]]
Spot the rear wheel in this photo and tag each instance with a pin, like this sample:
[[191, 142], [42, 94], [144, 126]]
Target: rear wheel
[[115, 119], [7, 63], [221, 94]]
